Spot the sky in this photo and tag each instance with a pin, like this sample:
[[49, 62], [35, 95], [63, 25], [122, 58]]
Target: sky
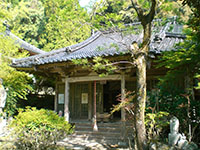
[[83, 3]]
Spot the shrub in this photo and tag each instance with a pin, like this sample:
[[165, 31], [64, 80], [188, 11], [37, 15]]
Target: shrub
[[156, 125], [38, 129]]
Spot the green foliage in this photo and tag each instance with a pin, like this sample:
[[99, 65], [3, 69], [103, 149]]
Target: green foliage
[[181, 63], [12, 2], [156, 125], [38, 129], [126, 103], [35, 23], [107, 13], [16, 83], [66, 23], [172, 99], [99, 64], [83, 62], [4, 15], [170, 8], [28, 21], [187, 54], [48, 24], [112, 13]]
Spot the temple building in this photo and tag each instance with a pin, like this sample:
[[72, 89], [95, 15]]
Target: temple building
[[81, 94]]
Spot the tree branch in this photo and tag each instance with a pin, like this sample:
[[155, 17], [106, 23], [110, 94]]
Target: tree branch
[[152, 12], [145, 18], [139, 11]]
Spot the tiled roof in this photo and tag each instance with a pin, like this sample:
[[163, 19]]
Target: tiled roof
[[102, 44], [23, 44]]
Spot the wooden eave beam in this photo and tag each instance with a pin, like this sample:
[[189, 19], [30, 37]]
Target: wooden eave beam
[[25, 69], [94, 78], [108, 78], [70, 63]]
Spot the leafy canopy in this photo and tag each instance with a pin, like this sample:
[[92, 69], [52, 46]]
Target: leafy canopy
[[16, 83], [49, 24], [183, 63], [66, 23], [111, 13], [187, 53]]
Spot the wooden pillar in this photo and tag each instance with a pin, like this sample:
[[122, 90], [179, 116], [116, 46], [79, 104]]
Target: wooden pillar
[[56, 98], [90, 102], [66, 106], [95, 128], [123, 114]]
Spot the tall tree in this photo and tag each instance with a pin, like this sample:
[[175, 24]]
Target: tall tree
[[140, 57], [66, 24], [15, 82], [112, 13], [49, 24], [145, 12], [28, 21]]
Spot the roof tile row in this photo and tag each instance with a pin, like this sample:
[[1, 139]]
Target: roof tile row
[[102, 44]]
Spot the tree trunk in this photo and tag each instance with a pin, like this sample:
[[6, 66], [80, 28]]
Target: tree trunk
[[141, 59], [189, 96], [140, 103]]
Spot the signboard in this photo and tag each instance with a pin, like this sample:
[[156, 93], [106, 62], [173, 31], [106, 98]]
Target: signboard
[[61, 98], [84, 98]]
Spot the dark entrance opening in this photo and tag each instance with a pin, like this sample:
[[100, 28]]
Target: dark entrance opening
[[111, 90]]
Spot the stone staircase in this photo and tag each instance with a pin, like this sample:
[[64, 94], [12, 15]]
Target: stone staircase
[[115, 133]]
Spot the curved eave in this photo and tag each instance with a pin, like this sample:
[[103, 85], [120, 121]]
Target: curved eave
[[24, 45], [90, 48]]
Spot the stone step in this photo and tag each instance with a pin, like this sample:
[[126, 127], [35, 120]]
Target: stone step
[[99, 133], [100, 137], [105, 140], [115, 135], [101, 129], [107, 132], [115, 124]]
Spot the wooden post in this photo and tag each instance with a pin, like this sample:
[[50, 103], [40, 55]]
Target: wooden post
[[95, 128], [123, 115], [90, 102], [56, 98], [66, 107]]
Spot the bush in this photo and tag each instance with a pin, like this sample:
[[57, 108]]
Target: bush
[[38, 129], [172, 99], [156, 125]]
